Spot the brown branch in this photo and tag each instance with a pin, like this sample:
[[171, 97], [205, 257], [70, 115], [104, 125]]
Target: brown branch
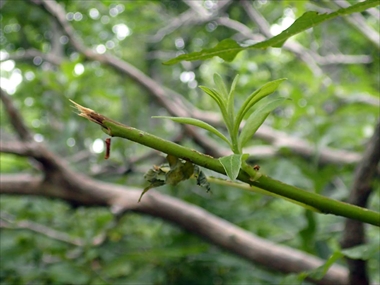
[[15, 117], [333, 59], [27, 146], [326, 155], [300, 51], [8, 222], [362, 188], [280, 140], [240, 28], [359, 98], [358, 22], [189, 17], [174, 24], [189, 217], [30, 54]]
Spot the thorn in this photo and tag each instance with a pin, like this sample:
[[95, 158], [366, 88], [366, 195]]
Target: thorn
[[108, 148]]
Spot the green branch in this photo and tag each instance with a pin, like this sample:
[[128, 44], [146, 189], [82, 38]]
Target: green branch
[[319, 202]]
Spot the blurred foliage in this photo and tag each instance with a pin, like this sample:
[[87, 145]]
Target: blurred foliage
[[142, 249]]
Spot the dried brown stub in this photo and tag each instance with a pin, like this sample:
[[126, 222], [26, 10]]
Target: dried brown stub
[[108, 148]]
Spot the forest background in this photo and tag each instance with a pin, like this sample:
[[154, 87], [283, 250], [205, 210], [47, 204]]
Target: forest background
[[68, 216]]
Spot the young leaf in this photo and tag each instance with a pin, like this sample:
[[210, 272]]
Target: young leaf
[[221, 87], [218, 98], [221, 103], [255, 97], [321, 271], [256, 119], [197, 123], [231, 165], [231, 103]]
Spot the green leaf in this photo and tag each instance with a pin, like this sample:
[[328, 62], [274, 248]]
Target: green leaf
[[197, 123], [364, 251], [231, 165], [255, 97], [294, 279], [228, 49], [307, 234], [231, 103], [321, 271], [256, 119], [219, 100], [214, 94], [221, 87]]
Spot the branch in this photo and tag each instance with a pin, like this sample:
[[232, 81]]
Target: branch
[[174, 24], [31, 54], [323, 204], [8, 222], [187, 18], [359, 98], [187, 216], [361, 189], [15, 118], [326, 155], [333, 59], [359, 23]]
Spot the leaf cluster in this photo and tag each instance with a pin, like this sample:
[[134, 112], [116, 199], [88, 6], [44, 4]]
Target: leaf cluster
[[224, 98]]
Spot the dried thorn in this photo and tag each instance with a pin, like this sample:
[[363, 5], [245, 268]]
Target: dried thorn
[[108, 148]]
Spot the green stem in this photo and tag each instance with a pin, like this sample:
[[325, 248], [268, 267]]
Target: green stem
[[321, 203], [235, 144], [254, 189]]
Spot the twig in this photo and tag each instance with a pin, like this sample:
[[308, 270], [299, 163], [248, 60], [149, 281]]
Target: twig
[[8, 222], [323, 204], [172, 26], [15, 117], [359, 23], [294, 47], [31, 54]]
